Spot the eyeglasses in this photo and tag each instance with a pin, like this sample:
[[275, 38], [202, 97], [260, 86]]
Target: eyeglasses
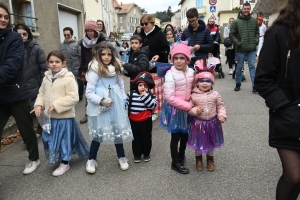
[[179, 57], [146, 24], [204, 81], [192, 21], [67, 35]]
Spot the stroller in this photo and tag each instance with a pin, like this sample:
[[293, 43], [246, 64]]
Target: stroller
[[216, 53]]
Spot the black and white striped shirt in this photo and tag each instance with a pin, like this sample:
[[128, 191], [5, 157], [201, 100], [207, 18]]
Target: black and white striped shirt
[[141, 103]]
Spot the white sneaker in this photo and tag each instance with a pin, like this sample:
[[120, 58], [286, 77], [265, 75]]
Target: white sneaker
[[38, 135], [91, 166], [123, 163], [31, 166], [230, 72], [154, 116], [63, 168]]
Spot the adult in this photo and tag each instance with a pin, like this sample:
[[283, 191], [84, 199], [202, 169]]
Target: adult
[[72, 52], [215, 34], [34, 66], [262, 29], [277, 81], [15, 96], [229, 51], [244, 35], [198, 36], [170, 27], [137, 31], [91, 38], [101, 26], [153, 37], [167, 28]]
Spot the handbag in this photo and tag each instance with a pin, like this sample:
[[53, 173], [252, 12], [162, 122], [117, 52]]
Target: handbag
[[227, 42]]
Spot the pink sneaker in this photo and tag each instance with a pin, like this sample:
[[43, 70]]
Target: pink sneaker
[[61, 170]]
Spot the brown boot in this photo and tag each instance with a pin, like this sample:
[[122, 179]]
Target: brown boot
[[199, 165], [210, 163]]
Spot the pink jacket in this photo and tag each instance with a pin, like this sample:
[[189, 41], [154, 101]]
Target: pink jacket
[[177, 88], [211, 103]]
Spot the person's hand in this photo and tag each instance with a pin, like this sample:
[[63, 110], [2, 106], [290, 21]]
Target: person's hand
[[196, 47], [50, 109], [122, 63], [199, 110], [144, 91], [155, 58], [37, 110], [107, 102], [221, 119]]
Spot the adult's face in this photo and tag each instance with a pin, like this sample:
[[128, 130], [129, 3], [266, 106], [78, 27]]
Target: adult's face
[[174, 27], [138, 30], [4, 19], [246, 10], [259, 22], [169, 28], [100, 24], [231, 21], [23, 34], [211, 22], [90, 34], [147, 26], [193, 22], [67, 35]]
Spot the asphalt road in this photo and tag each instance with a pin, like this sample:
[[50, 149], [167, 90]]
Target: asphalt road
[[246, 167]]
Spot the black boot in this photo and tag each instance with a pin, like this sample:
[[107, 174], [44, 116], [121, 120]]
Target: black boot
[[84, 120], [176, 166], [181, 159], [237, 87]]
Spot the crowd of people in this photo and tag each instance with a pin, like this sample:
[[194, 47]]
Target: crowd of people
[[183, 100]]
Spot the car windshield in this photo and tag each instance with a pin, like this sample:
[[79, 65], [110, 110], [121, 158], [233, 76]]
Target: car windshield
[[126, 34]]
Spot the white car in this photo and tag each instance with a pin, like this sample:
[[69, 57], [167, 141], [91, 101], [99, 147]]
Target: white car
[[126, 36]]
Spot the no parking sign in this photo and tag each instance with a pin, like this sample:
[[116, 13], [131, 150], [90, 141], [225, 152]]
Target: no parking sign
[[212, 2]]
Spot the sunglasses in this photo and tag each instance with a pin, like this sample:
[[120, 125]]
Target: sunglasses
[[179, 57], [23, 34], [146, 24], [67, 35], [204, 81]]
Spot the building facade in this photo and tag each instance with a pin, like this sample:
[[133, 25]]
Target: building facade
[[176, 18], [129, 17]]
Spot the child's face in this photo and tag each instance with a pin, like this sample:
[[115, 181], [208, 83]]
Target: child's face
[[23, 34], [142, 88], [124, 45], [112, 37], [135, 45], [106, 56], [169, 35], [180, 62], [204, 84], [55, 64]]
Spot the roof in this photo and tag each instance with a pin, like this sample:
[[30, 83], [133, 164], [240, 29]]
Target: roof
[[181, 2], [116, 4], [263, 7], [126, 8]]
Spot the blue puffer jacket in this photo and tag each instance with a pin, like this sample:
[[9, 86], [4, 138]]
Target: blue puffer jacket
[[202, 37], [13, 87]]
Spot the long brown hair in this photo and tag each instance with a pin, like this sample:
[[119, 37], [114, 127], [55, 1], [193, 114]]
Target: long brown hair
[[3, 6], [97, 53], [289, 16]]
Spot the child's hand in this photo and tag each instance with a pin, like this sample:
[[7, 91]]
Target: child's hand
[[144, 91], [37, 110], [221, 119], [107, 102], [50, 109], [199, 110], [122, 63]]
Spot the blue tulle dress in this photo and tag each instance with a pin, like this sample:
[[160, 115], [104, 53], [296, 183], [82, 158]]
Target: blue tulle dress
[[64, 140]]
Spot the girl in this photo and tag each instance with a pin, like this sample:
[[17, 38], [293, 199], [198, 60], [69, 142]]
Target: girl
[[107, 119], [124, 52], [171, 37], [205, 133], [58, 95], [177, 92]]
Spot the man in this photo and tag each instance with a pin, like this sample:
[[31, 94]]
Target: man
[[262, 29], [215, 33], [244, 35], [72, 51], [198, 36]]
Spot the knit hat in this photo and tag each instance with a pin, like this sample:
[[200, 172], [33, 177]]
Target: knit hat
[[208, 75], [260, 19], [91, 25], [145, 78], [183, 49]]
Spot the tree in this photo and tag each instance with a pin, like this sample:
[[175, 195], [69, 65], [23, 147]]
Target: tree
[[164, 16], [143, 10]]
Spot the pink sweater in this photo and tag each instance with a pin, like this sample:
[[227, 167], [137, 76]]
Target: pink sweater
[[177, 88], [211, 103]]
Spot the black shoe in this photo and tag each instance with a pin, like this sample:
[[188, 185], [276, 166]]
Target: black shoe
[[181, 160], [254, 90], [147, 158], [84, 120], [179, 168], [237, 87], [137, 159]]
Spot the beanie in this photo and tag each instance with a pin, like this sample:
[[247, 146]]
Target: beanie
[[145, 78], [208, 75], [183, 49], [91, 25], [260, 19]]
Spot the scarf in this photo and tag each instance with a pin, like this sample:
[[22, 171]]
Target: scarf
[[71, 40], [53, 78], [171, 40], [6, 30], [89, 43]]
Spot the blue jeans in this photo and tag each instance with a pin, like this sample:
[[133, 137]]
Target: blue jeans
[[251, 63], [95, 147]]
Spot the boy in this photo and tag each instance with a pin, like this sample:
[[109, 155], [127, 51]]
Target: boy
[[138, 60], [140, 102]]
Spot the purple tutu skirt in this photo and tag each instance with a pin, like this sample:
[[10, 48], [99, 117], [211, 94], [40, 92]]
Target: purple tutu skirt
[[173, 119], [205, 135]]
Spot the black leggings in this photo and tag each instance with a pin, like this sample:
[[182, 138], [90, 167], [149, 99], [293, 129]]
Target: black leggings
[[230, 53], [175, 138], [288, 186]]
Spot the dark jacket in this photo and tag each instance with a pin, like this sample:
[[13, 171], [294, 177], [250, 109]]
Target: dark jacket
[[244, 33], [13, 87], [214, 32], [138, 62], [277, 81], [202, 37], [158, 44]]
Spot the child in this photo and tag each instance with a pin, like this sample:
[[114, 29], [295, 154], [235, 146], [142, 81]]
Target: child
[[115, 43], [177, 91], [205, 132], [58, 95], [124, 52], [140, 103], [139, 61], [171, 39], [107, 119]]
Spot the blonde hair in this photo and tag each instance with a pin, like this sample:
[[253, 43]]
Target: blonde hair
[[148, 18]]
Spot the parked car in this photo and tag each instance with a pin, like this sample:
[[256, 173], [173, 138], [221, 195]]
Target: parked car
[[126, 36]]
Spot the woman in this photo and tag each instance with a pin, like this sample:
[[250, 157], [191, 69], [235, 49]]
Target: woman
[[153, 37], [277, 81], [229, 51], [91, 38], [15, 97], [101, 26], [137, 31]]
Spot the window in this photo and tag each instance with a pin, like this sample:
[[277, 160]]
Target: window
[[135, 20], [244, 1], [131, 20], [199, 3], [121, 27], [134, 11], [23, 13], [121, 19]]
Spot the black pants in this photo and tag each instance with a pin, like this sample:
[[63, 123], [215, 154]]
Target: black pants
[[230, 53], [142, 133], [175, 137], [21, 112]]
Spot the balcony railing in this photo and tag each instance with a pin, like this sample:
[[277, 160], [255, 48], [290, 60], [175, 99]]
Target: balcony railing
[[29, 21]]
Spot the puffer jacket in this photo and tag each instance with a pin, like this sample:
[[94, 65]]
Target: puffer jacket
[[177, 88], [34, 67], [72, 52], [210, 101], [244, 33], [62, 94]]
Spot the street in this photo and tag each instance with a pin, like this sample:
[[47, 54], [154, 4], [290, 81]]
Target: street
[[246, 167]]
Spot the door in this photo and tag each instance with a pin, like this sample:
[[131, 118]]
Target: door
[[67, 19]]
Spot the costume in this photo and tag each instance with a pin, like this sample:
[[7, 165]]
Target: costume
[[124, 52], [262, 30]]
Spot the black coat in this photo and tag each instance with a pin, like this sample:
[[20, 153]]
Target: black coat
[[277, 81], [13, 87], [138, 62]]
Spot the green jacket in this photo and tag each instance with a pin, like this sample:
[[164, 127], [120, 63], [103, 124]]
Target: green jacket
[[244, 33]]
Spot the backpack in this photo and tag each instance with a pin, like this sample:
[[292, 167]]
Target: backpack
[[227, 42]]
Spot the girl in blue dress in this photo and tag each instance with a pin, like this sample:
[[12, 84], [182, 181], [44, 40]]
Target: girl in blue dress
[[108, 121]]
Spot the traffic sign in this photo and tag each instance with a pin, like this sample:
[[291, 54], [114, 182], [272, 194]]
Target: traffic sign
[[213, 8], [212, 2], [213, 16]]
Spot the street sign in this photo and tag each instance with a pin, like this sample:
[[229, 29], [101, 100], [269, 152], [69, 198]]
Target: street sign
[[213, 17], [212, 2], [213, 8]]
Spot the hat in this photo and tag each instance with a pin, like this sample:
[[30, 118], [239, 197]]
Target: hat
[[91, 25], [260, 19], [208, 75], [145, 78], [183, 49]]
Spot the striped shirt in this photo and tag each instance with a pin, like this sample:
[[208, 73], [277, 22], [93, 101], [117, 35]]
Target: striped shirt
[[141, 103]]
